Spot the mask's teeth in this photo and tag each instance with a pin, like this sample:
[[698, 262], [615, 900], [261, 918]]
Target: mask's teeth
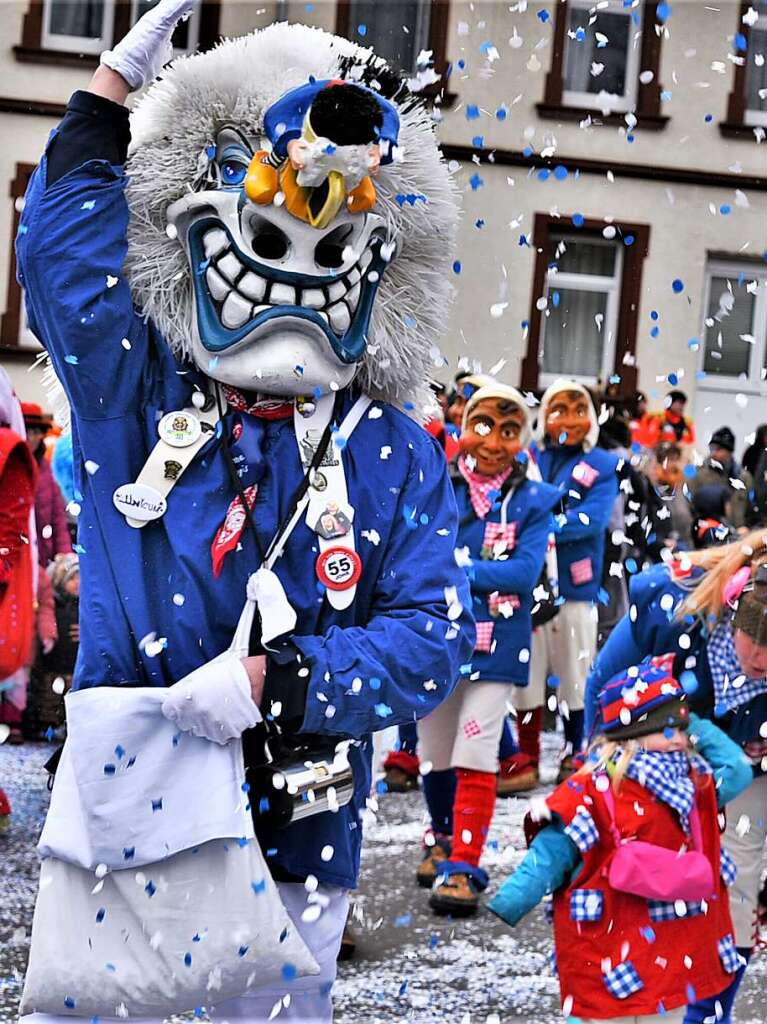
[[324, 316], [252, 286], [230, 267], [336, 290], [340, 318], [214, 242], [365, 259], [353, 276], [236, 311], [313, 298], [353, 297], [217, 286], [282, 294]]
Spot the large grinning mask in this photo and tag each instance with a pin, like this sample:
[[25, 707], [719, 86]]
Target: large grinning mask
[[280, 239]]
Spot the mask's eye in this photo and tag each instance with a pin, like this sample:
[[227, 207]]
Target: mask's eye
[[233, 171]]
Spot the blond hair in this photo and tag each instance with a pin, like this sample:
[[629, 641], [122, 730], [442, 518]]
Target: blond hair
[[600, 754], [705, 598]]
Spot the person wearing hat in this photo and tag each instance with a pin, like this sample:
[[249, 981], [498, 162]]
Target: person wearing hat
[[655, 779], [505, 518], [669, 425], [586, 476], [709, 608], [52, 531], [721, 468]]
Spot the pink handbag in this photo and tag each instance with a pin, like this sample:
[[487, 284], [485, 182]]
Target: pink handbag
[[655, 872]]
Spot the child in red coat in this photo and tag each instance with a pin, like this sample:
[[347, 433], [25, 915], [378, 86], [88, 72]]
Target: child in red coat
[[642, 943]]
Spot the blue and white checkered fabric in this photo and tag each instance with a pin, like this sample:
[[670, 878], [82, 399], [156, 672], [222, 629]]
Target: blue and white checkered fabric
[[731, 687], [623, 981], [667, 776], [582, 830], [586, 904], [728, 868], [728, 954], [660, 910]]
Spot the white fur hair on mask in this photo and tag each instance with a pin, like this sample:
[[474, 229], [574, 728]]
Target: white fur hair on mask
[[234, 84]]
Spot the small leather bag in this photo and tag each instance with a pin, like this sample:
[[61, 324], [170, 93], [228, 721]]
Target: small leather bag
[[655, 872]]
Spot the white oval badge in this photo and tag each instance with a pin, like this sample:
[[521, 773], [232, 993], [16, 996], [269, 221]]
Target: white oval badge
[[179, 429], [138, 501]]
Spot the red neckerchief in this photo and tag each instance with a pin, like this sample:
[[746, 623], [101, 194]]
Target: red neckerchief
[[480, 486], [230, 531]]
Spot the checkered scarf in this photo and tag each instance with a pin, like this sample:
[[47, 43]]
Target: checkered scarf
[[731, 687], [484, 491], [667, 776]]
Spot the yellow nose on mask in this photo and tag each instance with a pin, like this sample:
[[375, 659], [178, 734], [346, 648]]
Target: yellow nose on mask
[[317, 205]]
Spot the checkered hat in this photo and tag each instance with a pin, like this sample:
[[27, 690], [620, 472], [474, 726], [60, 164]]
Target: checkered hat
[[648, 700]]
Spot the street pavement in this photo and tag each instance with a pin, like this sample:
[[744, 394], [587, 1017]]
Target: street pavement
[[410, 966]]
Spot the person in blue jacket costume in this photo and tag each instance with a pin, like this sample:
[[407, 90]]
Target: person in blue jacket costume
[[686, 608], [586, 477], [505, 522], [158, 603]]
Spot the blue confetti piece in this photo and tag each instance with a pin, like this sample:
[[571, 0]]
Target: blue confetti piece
[[72, 360], [131, 762], [544, 174], [476, 181], [383, 710], [69, 1002], [527, 151], [741, 43], [89, 204], [456, 266], [630, 138], [150, 888], [402, 989], [578, 220], [479, 223], [689, 681], [691, 994], [677, 286], [111, 968], [187, 960], [501, 114], [708, 118], [409, 514], [289, 972], [648, 934], [403, 920], [654, 314], [630, 563], [242, 950], [156, 805], [561, 172], [478, 142], [119, 752], [555, 299], [410, 321], [375, 683], [672, 379], [100, 914], [129, 852], [725, 208], [543, 16], [472, 112], [665, 96], [362, 30], [466, 670], [259, 887], [553, 681], [461, 64], [663, 13], [580, 35], [110, 769], [655, 332], [433, 940], [628, 240]]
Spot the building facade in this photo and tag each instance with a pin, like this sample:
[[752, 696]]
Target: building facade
[[612, 156]]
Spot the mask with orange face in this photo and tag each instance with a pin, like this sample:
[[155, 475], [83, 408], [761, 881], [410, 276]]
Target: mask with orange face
[[568, 418], [492, 435]]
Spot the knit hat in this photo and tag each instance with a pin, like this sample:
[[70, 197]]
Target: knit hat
[[563, 384], [34, 417], [751, 611], [648, 700], [505, 393], [723, 438]]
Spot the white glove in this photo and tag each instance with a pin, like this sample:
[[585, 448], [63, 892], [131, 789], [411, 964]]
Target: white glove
[[140, 56], [277, 614], [214, 701]]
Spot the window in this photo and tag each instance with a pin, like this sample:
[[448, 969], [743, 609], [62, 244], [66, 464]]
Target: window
[[735, 326], [399, 30], [77, 31], [747, 104], [15, 335], [586, 290], [605, 62]]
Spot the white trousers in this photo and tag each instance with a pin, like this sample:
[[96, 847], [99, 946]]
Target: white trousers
[[305, 1000], [565, 648], [744, 841], [464, 730]]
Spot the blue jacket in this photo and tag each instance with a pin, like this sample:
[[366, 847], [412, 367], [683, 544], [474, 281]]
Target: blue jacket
[[530, 511], [553, 859], [589, 497], [651, 628], [120, 377]]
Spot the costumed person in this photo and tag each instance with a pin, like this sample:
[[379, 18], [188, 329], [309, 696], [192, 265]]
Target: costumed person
[[18, 561], [52, 530], [669, 425], [629, 847], [506, 516], [563, 649], [709, 607], [231, 367]]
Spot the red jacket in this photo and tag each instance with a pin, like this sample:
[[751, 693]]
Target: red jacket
[[52, 530], [676, 959]]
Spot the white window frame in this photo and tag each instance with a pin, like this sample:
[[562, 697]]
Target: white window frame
[[603, 100], [755, 117], [754, 384], [420, 35], [193, 29], [78, 44], [557, 280]]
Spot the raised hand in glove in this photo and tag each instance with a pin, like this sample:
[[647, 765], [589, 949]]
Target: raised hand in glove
[[216, 701], [140, 56]]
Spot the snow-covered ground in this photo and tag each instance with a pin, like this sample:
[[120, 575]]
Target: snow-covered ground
[[410, 966]]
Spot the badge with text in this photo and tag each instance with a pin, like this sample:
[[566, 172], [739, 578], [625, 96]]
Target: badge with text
[[339, 568], [139, 501], [334, 520], [179, 429]]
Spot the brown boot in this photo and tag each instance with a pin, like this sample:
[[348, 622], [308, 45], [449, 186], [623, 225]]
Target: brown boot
[[433, 856], [455, 895], [517, 774]]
